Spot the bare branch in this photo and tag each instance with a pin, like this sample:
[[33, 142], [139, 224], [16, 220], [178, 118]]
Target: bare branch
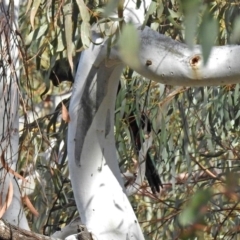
[[10, 232]]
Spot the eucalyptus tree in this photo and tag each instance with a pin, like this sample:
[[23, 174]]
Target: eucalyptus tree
[[93, 162], [98, 187]]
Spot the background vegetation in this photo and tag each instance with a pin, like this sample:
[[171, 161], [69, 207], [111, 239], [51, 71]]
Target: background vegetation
[[196, 150]]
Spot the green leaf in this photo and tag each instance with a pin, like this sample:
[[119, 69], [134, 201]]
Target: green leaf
[[110, 7], [190, 10], [129, 45], [68, 32], [208, 33], [85, 26], [85, 34], [194, 210], [160, 9], [60, 42], [34, 9], [150, 11], [235, 37], [83, 10], [173, 14], [36, 34]]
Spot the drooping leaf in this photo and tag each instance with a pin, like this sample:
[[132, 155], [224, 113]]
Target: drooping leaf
[[29, 205], [110, 7], [68, 32], [34, 9], [29, 5], [4, 206], [150, 11], [129, 45], [65, 114], [208, 32], [10, 170], [196, 208], [235, 37], [85, 34], [191, 10], [36, 34], [83, 11]]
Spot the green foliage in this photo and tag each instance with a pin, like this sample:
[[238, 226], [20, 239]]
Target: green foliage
[[190, 10], [195, 148], [208, 32], [129, 45], [196, 208]]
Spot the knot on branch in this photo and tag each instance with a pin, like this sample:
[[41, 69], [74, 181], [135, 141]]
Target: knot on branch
[[195, 61], [83, 233], [148, 62]]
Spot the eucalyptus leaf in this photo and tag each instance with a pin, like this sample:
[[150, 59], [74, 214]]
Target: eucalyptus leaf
[[68, 32], [235, 37], [36, 34], [85, 34], [110, 7], [151, 10], [208, 32], [191, 10], [83, 10], [129, 45], [194, 210], [34, 9]]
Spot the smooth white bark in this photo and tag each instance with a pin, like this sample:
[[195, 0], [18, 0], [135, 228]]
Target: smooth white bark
[[9, 102], [96, 179], [70, 229], [167, 61]]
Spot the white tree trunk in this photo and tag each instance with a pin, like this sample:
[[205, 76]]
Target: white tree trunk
[[9, 103], [95, 175], [96, 180]]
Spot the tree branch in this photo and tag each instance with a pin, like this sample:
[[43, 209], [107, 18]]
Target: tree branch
[[165, 60], [10, 232]]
